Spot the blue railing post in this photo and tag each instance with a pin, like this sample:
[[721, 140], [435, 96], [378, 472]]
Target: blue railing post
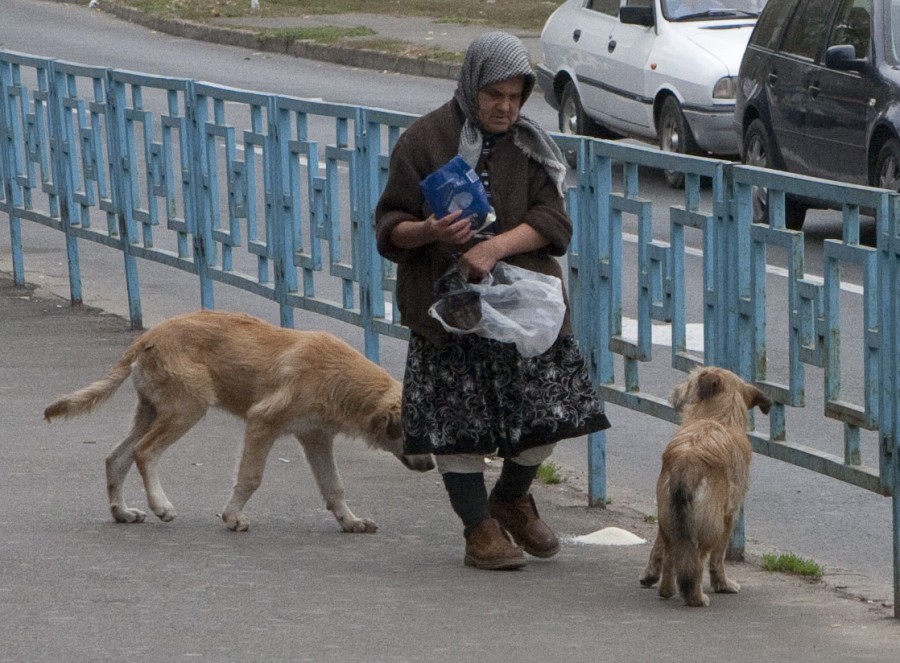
[[11, 197], [60, 156], [277, 173], [888, 233], [204, 250], [725, 346], [121, 193], [592, 315], [371, 300]]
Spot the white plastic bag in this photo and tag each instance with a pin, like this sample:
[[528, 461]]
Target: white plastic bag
[[512, 305]]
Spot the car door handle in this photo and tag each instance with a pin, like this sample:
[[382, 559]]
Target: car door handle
[[813, 90], [576, 35], [771, 79], [611, 46]]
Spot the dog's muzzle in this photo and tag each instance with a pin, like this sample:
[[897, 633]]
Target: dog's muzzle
[[418, 462]]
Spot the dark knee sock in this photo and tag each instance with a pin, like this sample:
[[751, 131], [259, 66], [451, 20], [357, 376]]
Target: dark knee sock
[[514, 482], [468, 497]]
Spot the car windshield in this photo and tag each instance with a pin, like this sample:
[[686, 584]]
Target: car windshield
[[699, 10]]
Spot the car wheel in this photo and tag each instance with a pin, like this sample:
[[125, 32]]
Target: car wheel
[[675, 136], [887, 167], [574, 121], [758, 152]]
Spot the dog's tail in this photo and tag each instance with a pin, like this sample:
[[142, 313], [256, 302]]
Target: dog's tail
[[86, 399], [684, 544]]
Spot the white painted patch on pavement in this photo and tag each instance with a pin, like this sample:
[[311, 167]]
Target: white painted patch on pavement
[[610, 536]]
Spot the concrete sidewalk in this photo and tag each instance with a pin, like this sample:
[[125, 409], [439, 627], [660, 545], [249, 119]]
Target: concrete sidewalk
[[78, 587]]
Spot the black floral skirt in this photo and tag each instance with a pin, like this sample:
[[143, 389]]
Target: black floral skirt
[[476, 395]]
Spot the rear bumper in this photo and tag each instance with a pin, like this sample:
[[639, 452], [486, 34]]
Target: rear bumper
[[545, 83], [714, 130]]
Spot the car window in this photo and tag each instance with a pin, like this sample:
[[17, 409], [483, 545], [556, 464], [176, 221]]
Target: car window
[[894, 30], [808, 29], [610, 7], [771, 24], [851, 26], [711, 9]]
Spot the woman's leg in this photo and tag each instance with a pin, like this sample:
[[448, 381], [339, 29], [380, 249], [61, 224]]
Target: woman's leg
[[487, 546], [513, 506], [468, 497]]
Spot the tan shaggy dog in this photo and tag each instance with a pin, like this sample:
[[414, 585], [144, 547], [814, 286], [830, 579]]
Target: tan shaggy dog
[[280, 381], [704, 478]]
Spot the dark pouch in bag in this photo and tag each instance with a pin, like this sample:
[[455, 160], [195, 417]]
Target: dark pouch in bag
[[511, 305], [456, 186], [457, 303]]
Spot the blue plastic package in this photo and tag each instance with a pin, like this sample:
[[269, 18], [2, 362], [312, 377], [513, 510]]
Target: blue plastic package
[[456, 186]]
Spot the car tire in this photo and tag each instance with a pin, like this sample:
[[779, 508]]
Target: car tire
[[758, 152], [675, 136], [574, 121], [887, 166]]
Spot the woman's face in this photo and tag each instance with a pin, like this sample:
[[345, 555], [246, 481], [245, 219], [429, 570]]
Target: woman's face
[[499, 104]]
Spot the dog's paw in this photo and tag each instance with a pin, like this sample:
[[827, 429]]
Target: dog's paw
[[236, 522], [728, 587], [666, 588], [165, 513], [127, 515], [359, 526], [698, 602], [648, 579]]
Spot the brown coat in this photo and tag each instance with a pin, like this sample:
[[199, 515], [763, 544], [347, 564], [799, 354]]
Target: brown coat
[[522, 192]]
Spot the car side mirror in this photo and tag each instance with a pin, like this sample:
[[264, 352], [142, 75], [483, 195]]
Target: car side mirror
[[637, 15], [843, 58]]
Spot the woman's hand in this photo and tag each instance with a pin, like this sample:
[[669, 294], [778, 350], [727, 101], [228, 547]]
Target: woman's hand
[[450, 229], [477, 262]]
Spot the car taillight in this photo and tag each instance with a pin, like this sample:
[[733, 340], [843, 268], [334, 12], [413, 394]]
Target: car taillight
[[725, 88]]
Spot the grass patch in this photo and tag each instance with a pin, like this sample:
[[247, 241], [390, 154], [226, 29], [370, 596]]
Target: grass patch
[[321, 35], [524, 14], [549, 473], [356, 38], [790, 563]]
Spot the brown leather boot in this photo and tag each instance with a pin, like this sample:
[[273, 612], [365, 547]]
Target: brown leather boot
[[488, 547], [520, 518]]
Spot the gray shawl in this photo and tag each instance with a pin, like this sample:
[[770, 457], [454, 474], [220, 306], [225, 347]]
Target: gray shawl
[[494, 57]]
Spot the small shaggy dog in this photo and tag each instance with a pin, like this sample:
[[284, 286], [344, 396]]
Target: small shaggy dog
[[704, 478], [280, 381]]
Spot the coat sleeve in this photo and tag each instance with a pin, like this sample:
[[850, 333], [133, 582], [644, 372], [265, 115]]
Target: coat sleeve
[[401, 200], [547, 212]]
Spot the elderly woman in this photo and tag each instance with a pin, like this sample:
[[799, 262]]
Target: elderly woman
[[466, 397]]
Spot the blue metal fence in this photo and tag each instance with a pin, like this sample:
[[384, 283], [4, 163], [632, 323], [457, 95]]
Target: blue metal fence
[[275, 195]]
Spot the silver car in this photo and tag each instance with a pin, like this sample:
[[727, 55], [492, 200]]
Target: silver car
[[657, 70]]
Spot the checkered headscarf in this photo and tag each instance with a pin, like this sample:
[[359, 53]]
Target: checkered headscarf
[[490, 58]]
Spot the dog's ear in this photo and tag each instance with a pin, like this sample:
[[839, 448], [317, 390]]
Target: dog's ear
[[387, 423], [755, 398], [708, 385], [678, 397]]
